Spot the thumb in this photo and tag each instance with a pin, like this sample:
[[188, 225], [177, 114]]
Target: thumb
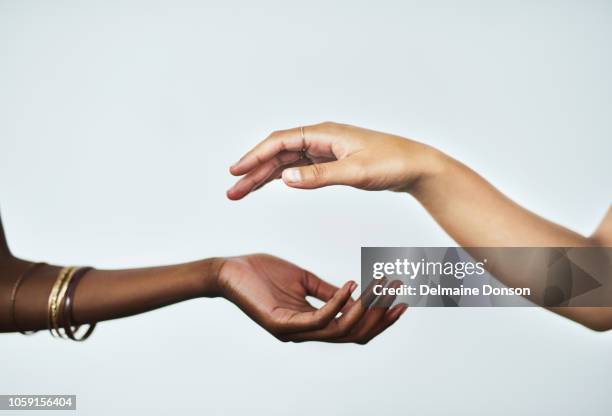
[[319, 174]]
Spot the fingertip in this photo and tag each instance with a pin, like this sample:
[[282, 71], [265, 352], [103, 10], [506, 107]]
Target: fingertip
[[233, 195], [397, 311], [236, 169], [345, 291]]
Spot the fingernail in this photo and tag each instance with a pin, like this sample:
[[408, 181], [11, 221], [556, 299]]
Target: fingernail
[[292, 175], [352, 287]]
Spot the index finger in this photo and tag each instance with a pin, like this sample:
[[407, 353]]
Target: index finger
[[282, 140], [320, 318], [341, 326], [322, 290]]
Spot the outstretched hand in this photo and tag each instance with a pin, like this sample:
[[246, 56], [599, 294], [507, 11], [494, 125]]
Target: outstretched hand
[[273, 293], [334, 154]]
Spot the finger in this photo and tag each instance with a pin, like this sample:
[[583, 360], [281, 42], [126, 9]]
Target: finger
[[305, 160], [277, 174], [347, 306], [340, 172], [341, 326], [390, 318], [284, 140], [317, 140], [323, 290], [260, 174], [318, 287], [320, 318], [362, 333]]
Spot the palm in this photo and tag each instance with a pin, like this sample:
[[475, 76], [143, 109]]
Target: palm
[[273, 293], [270, 290]]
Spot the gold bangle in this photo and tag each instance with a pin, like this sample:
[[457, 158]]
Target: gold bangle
[[54, 296], [57, 311], [16, 286]]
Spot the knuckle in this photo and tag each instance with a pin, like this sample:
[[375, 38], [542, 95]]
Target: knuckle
[[328, 124], [259, 159], [277, 161], [285, 158], [331, 127], [318, 171]]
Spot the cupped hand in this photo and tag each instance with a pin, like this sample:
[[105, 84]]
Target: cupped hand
[[273, 293], [334, 154]]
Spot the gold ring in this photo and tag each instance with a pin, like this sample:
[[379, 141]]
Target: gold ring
[[303, 151]]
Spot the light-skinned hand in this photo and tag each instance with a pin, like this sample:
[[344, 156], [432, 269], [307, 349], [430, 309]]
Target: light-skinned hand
[[334, 154]]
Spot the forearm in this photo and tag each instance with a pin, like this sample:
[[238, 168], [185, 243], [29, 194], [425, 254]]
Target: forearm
[[475, 214], [104, 294], [468, 208], [4, 250]]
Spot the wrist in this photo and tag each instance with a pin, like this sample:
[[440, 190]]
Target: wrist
[[205, 274], [436, 166]]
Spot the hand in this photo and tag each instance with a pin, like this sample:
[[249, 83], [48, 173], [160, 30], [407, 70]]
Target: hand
[[273, 293], [334, 154]]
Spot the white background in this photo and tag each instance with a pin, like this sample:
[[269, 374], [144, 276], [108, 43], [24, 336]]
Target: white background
[[119, 119]]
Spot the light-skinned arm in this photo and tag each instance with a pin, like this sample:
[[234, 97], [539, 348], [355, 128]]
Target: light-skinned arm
[[471, 210]]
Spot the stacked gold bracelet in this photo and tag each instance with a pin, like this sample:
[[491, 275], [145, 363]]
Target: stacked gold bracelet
[[63, 277], [60, 304]]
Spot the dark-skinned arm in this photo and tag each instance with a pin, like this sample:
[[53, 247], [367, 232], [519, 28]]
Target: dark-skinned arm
[[269, 290]]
